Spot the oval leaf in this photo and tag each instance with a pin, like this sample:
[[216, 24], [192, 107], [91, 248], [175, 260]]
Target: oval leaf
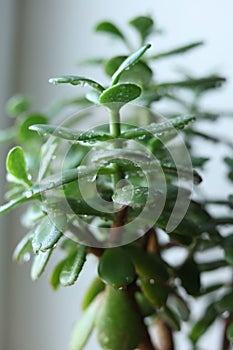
[[39, 264], [189, 275], [120, 94], [83, 328], [55, 276], [16, 165], [109, 28], [23, 249], [140, 73], [118, 324], [144, 26], [129, 62], [156, 293], [147, 265], [25, 133], [72, 267], [116, 268], [48, 233], [96, 287], [230, 332], [76, 80]]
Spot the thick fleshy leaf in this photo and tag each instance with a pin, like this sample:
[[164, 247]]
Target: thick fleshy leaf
[[118, 324], [135, 196], [144, 305], [171, 318], [177, 51], [109, 28], [39, 264], [116, 268], [68, 134], [73, 266], [16, 165], [170, 125], [83, 328], [140, 73], [77, 80], [120, 94], [202, 325], [181, 306], [129, 62], [17, 105], [147, 265], [55, 276], [23, 249], [189, 275], [48, 232], [155, 292], [144, 26], [96, 287], [226, 302], [25, 133]]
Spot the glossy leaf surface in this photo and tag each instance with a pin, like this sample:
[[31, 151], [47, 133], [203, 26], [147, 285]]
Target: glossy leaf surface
[[116, 268], [77, 80], [48, 232], [118, 325], [16, 165], [129, 62], [39, 263], [73, 266]]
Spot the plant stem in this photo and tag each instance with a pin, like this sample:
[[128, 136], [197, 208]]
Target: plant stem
[[114, 123], [225, 341]]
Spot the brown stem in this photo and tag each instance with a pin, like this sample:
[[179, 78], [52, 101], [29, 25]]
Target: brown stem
[[116, 230], [225, 342]]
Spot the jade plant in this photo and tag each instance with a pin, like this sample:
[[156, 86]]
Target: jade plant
[[118, 180]]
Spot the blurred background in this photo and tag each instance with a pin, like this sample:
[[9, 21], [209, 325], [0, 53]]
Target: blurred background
[[42, 39]]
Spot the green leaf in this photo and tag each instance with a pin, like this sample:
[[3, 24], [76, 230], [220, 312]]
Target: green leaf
[[16, 165], [144, 26], [83, 328], [189, 275], [202, 325], [177, 51], [140, 73], [69, 134], [147, 265], [96, 287], [55, 276], [73, 266], [171, 318], [39, 264], [145, 306], [181, 306], [230, 332], [109, 28], [17, 105], [118, 325], [129, 62], [76, 80], [205, 83], [25, 133], [116, 268], [178, 122], [225, 303], [155, 292], [48, 232], [120, 94], [23, 249]]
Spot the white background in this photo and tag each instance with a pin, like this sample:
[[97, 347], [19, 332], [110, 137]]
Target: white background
[[40, 39]]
